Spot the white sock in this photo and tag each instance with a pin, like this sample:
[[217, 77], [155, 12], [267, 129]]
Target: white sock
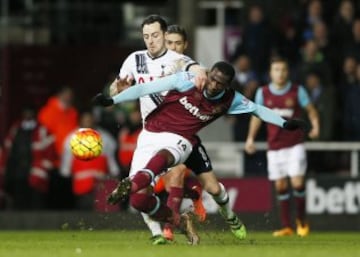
[[153, 225], [222, 200]]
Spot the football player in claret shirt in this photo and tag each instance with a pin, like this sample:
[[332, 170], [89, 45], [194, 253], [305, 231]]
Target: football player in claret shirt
[[286, 155], [148, 65], [180, 178], [169, 135]]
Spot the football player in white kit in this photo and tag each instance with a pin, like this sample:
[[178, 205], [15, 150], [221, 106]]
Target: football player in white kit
[[147, 65]]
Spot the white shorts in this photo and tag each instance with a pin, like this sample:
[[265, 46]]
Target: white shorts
[[287, 162], [149, 143]]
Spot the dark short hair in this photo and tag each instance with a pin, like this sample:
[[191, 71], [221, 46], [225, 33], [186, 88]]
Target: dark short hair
[[155, 18], [276, 59], [225, 68], [176, 29]]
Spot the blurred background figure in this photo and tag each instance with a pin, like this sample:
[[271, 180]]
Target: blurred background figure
[[257, 41], [323, 99], [59, 116], [342, 25], [313, 14], [87, 176], [352, 47], [246, 82], [28, 156], [351, 114], [313, 60], [127, 139]]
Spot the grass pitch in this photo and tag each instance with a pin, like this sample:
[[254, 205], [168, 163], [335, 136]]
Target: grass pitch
[[136, 243]]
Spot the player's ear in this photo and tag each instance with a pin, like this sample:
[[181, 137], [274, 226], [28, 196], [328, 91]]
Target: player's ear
[[185, 45]]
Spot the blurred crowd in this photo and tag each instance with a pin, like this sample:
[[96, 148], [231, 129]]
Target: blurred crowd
[[324, 55], [38, 170]]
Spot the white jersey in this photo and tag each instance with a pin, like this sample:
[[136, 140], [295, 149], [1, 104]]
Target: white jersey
[[143, 68]]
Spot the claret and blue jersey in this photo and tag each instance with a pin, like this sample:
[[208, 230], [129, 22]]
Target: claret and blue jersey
[[185, 110], [288, 102]]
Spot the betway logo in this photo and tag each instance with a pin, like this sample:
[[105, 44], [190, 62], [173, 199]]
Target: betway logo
[[193, 109], [335, 200]]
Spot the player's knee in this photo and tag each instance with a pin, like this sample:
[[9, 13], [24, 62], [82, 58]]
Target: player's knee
[[177, 175], [213, 188], [179, 171], [139, 201], [281, 185]]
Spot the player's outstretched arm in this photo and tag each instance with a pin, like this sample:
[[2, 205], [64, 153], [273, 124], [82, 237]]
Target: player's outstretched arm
[[272, 117], [175, 81]]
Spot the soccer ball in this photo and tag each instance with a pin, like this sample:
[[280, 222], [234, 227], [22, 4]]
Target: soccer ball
[[86, 144]]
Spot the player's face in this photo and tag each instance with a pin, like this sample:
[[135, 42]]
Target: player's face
[[279, 73], [217, 82], [175, 42], [154, 39]]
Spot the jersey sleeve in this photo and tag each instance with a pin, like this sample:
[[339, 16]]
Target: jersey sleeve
[[126, 68], [180, 81], [303, 97], [259, 97], [180, 64], [241, 105], [187, 61]]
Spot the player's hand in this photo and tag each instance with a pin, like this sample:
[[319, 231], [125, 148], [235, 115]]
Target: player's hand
[[200, 80], [102, 100], [295, 124], [120, 84], [314, 133], [250, 146]]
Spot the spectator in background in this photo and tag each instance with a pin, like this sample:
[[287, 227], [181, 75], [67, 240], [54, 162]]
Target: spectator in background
[[28, 156], [86, 175], [351, 112], [347, 79], [342, 25], [353, 46], [314, 14], [289, 40], [313, 60], [246, 82], [329, 50], [324, 100], [127, 139], [256, 40], [59, 116]]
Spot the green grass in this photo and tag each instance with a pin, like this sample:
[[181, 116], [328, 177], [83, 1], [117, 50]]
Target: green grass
[[136, 243]]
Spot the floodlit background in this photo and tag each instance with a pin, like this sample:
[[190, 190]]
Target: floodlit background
[[76, 47]]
